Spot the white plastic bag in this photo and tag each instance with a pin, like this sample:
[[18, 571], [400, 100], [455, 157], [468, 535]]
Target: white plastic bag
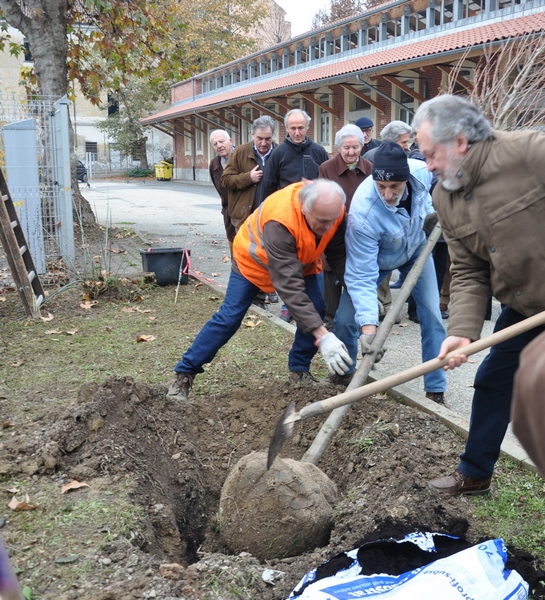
[[477, 573]]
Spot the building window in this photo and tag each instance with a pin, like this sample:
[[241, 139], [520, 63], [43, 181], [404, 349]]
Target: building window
[[113, 105], [357, 103], [353, 41], [187, 145], [247, 126], [92, 149], [393, 28], [417, 21], [409, 103], [372, 35], [199, 145], [28, 53], [324, 137]]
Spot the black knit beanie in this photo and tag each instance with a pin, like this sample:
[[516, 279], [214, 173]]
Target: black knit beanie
[[390, 163]]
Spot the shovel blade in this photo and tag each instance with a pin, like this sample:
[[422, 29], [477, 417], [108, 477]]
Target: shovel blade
[[282, 432]]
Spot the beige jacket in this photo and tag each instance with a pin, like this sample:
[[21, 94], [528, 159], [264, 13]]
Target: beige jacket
[[495, 229]]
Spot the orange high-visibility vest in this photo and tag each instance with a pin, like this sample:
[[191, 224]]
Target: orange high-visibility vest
[[284, 207]]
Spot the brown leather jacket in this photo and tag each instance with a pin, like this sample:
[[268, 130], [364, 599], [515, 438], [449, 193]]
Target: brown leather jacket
[[243, 195], [494, 226]]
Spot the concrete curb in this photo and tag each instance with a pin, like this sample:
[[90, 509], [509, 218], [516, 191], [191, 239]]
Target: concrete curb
[[405, 395]]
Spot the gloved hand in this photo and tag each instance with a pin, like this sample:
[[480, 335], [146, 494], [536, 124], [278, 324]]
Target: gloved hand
[[335, 354], [365, 345], [430, 221]]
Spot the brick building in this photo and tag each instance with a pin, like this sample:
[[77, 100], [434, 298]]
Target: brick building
[[381, 64]]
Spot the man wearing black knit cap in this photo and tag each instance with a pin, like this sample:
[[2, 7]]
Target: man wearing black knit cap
[[366, 126], [384, 232]]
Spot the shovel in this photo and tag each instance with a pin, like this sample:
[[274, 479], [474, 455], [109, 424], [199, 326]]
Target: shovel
[[284, 428], [333, 422]]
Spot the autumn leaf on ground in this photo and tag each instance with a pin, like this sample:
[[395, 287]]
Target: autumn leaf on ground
[[48, 318], [17, 364], [225, 258], [395, 332], [116, 251], [88, 305], [73, 485], [132, 309], [199, 283], [381, 396], [52, 332], [2, 298], [6, 424], [152, 318], [72, 331], [13, 490], [213, 298], [145, 338], [251, 323], [403, 324], [16, 505], [216, 274]]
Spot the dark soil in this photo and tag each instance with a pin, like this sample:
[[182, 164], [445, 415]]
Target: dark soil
[[181, 454]]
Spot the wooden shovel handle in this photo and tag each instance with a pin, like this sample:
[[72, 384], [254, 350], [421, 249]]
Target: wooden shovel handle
[[382, 385]]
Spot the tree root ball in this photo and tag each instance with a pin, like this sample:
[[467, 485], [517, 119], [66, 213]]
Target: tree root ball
[[285, 511]]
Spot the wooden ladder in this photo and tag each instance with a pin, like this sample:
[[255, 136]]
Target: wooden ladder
[[19, 258]]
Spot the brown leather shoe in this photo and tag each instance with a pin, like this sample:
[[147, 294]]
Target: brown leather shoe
[[458, 484], [302, 377]]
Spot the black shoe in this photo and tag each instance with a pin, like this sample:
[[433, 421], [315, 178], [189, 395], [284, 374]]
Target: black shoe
[[443, 309], [179, 388], [302, 377], [259, 304], [414, 319], [438, 397], [273, 298]]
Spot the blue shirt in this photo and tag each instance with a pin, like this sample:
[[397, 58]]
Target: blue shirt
[[381, 238]]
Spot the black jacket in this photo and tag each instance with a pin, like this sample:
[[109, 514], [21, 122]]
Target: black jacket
[[290, 162]]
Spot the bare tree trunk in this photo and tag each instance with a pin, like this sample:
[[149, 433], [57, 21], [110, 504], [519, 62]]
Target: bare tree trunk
[[44, 24]]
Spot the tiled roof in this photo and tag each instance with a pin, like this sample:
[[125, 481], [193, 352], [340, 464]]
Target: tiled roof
[[400, 53]]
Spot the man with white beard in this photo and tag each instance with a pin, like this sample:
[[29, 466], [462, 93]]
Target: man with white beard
[[385, 232], [490, 201]]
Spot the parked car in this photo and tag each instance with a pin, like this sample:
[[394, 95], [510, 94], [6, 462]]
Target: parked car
[[82, 172]]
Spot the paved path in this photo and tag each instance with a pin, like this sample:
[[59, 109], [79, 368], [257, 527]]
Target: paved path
[[175, 214]]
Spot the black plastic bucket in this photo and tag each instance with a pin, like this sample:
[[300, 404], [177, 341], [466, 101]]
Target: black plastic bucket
[[166, 264]]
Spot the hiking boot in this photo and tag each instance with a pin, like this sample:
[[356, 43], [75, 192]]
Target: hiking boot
[[179, 388], [302, 377], [335, 379], [414, 318], [458, 484], [438, 397], [273, 298]]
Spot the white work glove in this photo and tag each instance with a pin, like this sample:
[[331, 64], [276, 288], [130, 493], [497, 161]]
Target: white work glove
[[365, 345], [335, 354]]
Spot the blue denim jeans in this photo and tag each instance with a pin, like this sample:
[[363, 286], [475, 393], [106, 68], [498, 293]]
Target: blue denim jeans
[[223, 325], [491, 407], [432, 331]]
